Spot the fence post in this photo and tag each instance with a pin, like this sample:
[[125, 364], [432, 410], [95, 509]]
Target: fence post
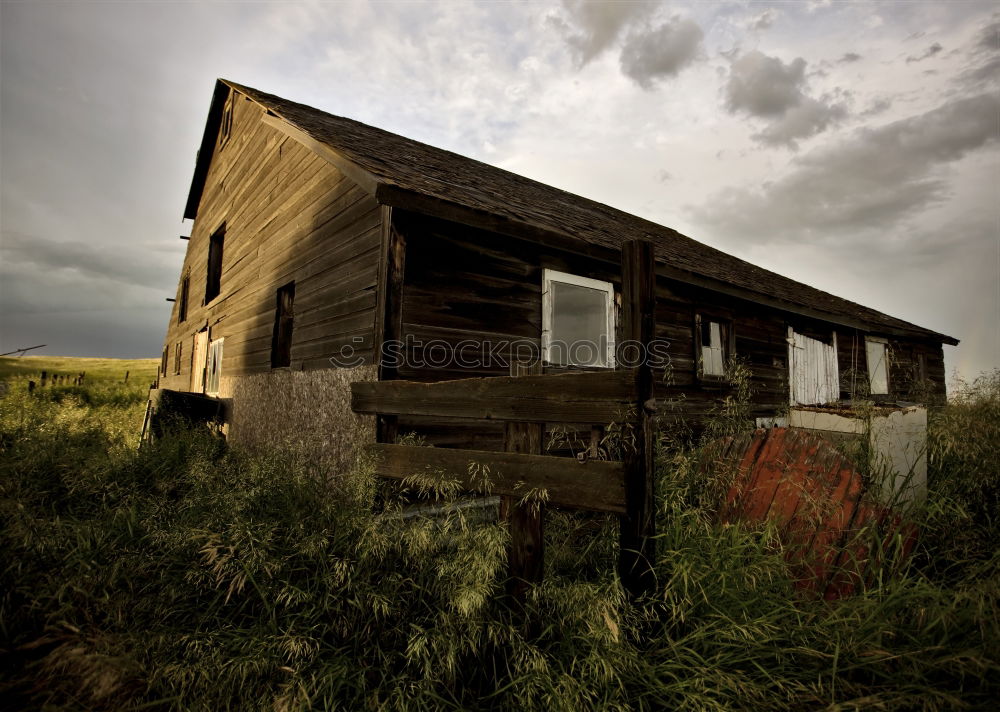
[[638, 525], [527, 551]]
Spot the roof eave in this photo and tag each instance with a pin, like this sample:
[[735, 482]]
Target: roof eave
[[208, 139]]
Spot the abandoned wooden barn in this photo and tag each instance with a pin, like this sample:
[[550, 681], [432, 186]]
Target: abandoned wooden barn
[[325, 252]]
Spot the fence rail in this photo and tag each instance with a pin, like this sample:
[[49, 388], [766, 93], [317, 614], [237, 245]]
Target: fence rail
[[525, 401]]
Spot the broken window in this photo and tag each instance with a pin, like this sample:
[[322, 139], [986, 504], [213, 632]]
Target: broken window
[[578, 320], [213, 370], [177, 358], [214, 282], [713, 345], [813, 374], [876, 351], [182, 305], [281, 341]]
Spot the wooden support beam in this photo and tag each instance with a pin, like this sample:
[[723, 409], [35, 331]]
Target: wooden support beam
[[388, 315], [587, 397], [596, 485], [526, 523], [638, 526]]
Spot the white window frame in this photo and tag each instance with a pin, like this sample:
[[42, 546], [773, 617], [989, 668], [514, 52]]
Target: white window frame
[[882, 364], [213, 367], [548, 277]]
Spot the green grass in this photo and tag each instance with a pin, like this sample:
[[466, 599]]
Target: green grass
[[141, 370], [189, 576]]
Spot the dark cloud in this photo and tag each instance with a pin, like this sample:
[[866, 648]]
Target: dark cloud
[[929, 52], [849, 57], [97, 262], [983, 59], [807, 118], [596, 25], [656, 53], [766, 87], [870, 181]]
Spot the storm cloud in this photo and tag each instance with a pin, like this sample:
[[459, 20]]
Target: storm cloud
[[656, 53], [765, 87], [869, 181]]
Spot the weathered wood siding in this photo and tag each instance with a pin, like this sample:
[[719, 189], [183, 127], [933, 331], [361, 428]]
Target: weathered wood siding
[[463, 284], [288, 215]]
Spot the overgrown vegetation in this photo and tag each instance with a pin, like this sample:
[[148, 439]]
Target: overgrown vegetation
[[190, 576]]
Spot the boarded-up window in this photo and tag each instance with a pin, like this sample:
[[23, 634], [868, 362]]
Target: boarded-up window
[[281, 341], [177, 358], [213, 371], [182, 306], [878, 366], [813, 374], [713, 343], [578, 320], [199, 359], [213, 283]]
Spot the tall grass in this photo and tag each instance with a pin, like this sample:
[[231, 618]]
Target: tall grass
[[192, 576]]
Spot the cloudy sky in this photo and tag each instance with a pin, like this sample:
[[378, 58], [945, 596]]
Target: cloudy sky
[[854, 146]]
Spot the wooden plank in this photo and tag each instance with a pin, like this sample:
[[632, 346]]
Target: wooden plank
[[638, 525], [596, 485], [598, 397]]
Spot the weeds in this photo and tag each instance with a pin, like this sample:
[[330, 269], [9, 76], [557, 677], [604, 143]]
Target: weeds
[[189, 576]]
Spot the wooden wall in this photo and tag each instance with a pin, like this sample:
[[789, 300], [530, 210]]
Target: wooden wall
[[289, 215], [461, 283]]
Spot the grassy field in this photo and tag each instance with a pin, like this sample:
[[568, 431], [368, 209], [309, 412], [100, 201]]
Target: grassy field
[[192, 576], [142, 370]]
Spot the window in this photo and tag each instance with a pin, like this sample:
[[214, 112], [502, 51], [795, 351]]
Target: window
[[214, 282], [813, 373], [199, 359], [876, 351], [281, 341], [182, 306], [214, 369], [713, 345], [226, 127], [578, 320], [177, 358], [163, 362]]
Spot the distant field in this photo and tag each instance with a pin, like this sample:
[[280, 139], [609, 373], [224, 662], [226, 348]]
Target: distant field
[[142, 370]]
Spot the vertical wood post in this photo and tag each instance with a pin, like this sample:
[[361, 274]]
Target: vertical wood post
[[44, 376], [31, 386], [126, 377], [638, 525], [389, 313], [527, 550]]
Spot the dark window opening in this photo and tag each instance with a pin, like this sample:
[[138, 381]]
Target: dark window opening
[[281, 342], [214, 282], [163, 362], [177, 359], [182, 306], [714, 346]]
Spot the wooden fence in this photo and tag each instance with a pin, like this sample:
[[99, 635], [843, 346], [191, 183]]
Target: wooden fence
[[525, 402]]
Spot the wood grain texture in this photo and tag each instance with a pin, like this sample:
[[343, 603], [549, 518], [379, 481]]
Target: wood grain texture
[[596, 485]]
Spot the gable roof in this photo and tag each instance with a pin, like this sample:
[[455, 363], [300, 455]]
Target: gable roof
[[389, 163]]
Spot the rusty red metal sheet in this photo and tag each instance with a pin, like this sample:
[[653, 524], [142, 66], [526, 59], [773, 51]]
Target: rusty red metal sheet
[[834, 538]]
